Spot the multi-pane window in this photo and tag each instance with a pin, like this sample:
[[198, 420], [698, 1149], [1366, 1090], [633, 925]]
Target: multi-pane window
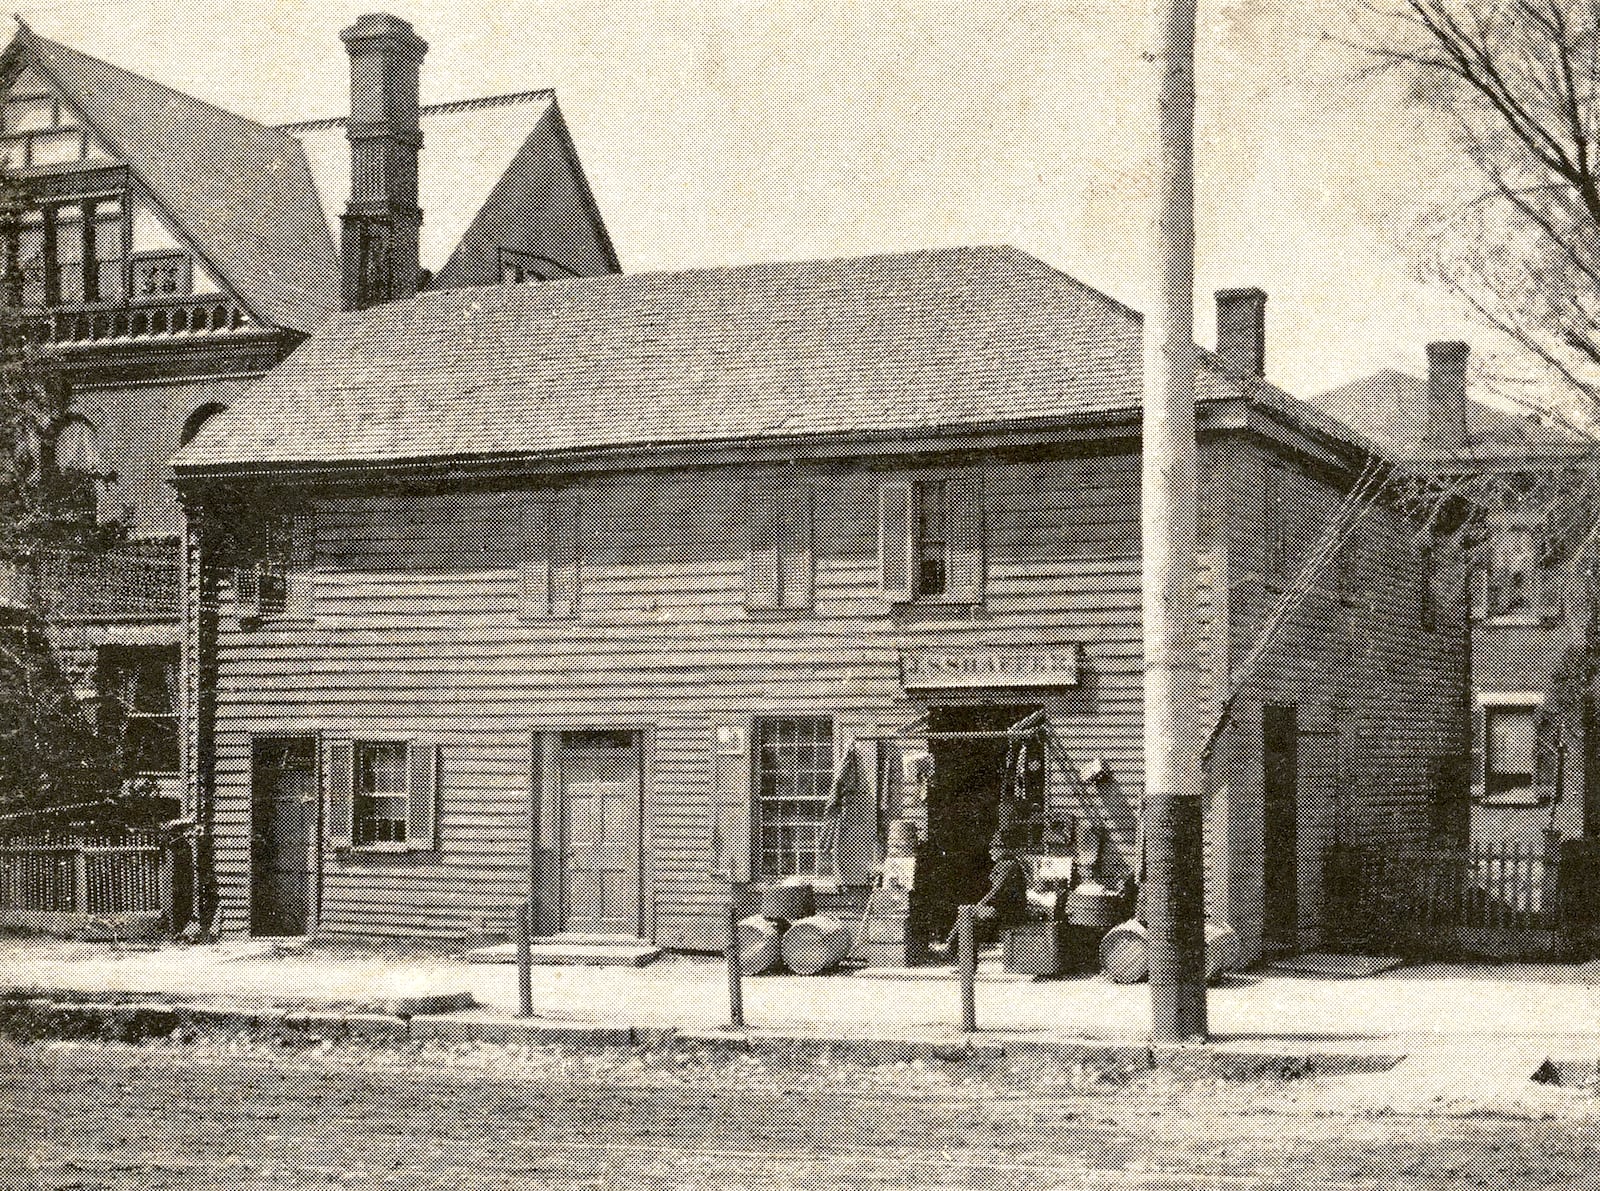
[[69, 253], [1513, 573], [932, 536], [381, 793], [281, 544], [517, 268], [794, 775], [1510, 749], [142, 684]]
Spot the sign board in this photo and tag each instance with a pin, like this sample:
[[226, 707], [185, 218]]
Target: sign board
[[1032, 665]]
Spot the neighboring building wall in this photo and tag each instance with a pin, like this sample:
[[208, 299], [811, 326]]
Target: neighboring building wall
[[416, 629], [1371, 659]]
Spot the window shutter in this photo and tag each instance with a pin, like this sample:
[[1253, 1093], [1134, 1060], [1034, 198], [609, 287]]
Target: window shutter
[[734, 810], [247, 592], [895, 546], [1480, 592], [533, 560], [339, 770], [302, 558], [565, 557], [797, 562], [422, 801], [964, 571], [763, 573]]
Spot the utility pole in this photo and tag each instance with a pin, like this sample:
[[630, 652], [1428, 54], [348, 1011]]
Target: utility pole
[[1174, 891]]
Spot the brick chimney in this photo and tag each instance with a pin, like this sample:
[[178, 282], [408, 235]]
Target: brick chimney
[[1242, 331], [1447, 397], [381, 223]]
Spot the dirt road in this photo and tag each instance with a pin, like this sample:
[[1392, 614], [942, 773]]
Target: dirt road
[[92, 1117]]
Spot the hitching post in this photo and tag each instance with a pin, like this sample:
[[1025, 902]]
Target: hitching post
[[1174, 890], [735, 968], [525, 959], [967, 961]]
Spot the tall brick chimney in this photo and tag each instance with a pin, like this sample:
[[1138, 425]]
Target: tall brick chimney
[[1242, 331], [1447, 398], [381, 223]]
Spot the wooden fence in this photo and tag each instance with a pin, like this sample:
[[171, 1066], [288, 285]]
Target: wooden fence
[[47, 881], [1496, 900]]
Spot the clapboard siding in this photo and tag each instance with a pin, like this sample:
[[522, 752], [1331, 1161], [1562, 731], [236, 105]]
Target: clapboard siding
[[417, 631]]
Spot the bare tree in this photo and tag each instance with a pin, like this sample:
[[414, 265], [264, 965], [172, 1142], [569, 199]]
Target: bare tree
[[1517, 83]]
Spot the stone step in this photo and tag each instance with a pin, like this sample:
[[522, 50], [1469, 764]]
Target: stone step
[[555, 951]]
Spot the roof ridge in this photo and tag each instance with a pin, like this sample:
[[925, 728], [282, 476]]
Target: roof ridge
[[428, 109], [26, 30]]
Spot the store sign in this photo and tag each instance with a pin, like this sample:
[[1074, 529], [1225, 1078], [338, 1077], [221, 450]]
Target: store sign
[[946, 669]]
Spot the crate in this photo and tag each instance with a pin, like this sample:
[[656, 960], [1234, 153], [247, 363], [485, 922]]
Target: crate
[[1050, 948]]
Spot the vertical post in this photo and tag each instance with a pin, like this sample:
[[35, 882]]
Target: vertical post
[[735, 966], [80, 879], [1175, 882], [967, 963], [525, 959]]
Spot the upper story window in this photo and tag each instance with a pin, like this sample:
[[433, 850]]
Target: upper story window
[[70, 253], [930, 539], [1514, 575], [36, 130]]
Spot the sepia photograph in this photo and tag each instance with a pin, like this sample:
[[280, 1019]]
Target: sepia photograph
[[733, 594]]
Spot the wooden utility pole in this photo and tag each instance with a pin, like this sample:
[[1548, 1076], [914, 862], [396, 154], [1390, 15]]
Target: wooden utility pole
[[1173, 897]]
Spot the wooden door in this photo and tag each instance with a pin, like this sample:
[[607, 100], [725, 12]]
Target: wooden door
[[601, 793], [284, 826], [1280, 829]]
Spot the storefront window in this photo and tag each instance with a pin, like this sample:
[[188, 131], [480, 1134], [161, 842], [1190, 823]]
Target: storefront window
[[794, 774]]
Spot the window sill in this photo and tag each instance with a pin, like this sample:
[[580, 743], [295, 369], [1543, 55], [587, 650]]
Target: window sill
[[378, 849], [1520, 621], [1512, 800]]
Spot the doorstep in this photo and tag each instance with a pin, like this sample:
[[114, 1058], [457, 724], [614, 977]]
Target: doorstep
[[595, 951]]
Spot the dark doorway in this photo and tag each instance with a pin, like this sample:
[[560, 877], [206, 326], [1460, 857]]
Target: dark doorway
[[963, 801], [1280, 830], [284, 827]]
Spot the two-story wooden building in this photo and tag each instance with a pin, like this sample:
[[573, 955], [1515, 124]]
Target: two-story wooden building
[[174, 251], [582, 590]]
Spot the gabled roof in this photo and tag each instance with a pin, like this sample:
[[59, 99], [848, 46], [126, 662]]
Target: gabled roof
[[241, 191], [919, 342], [472, 150], [1391, 408]]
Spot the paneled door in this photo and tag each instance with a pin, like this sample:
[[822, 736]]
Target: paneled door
[[601, 793], [284, 822], [1280, 830]]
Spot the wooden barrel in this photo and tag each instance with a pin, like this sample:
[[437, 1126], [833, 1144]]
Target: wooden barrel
[[813, 945], [1125, 953], [788, 903], [759, 945], [1222, 951]]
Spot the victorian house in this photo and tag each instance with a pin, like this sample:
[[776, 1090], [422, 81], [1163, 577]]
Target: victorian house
[[173, 252]]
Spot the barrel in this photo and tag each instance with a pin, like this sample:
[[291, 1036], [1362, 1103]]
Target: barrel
[[758, 945], [1222, 951], [788, 903], [813, 945], [902, 838], [1125, 953]]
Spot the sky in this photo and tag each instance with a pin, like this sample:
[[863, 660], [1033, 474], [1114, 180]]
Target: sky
[[721, 132]]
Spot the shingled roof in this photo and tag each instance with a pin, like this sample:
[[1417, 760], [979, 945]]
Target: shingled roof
[[242, 191], [963, 337], [1391, 408]]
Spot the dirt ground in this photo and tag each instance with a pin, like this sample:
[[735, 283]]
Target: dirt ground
[[98, 1117]]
